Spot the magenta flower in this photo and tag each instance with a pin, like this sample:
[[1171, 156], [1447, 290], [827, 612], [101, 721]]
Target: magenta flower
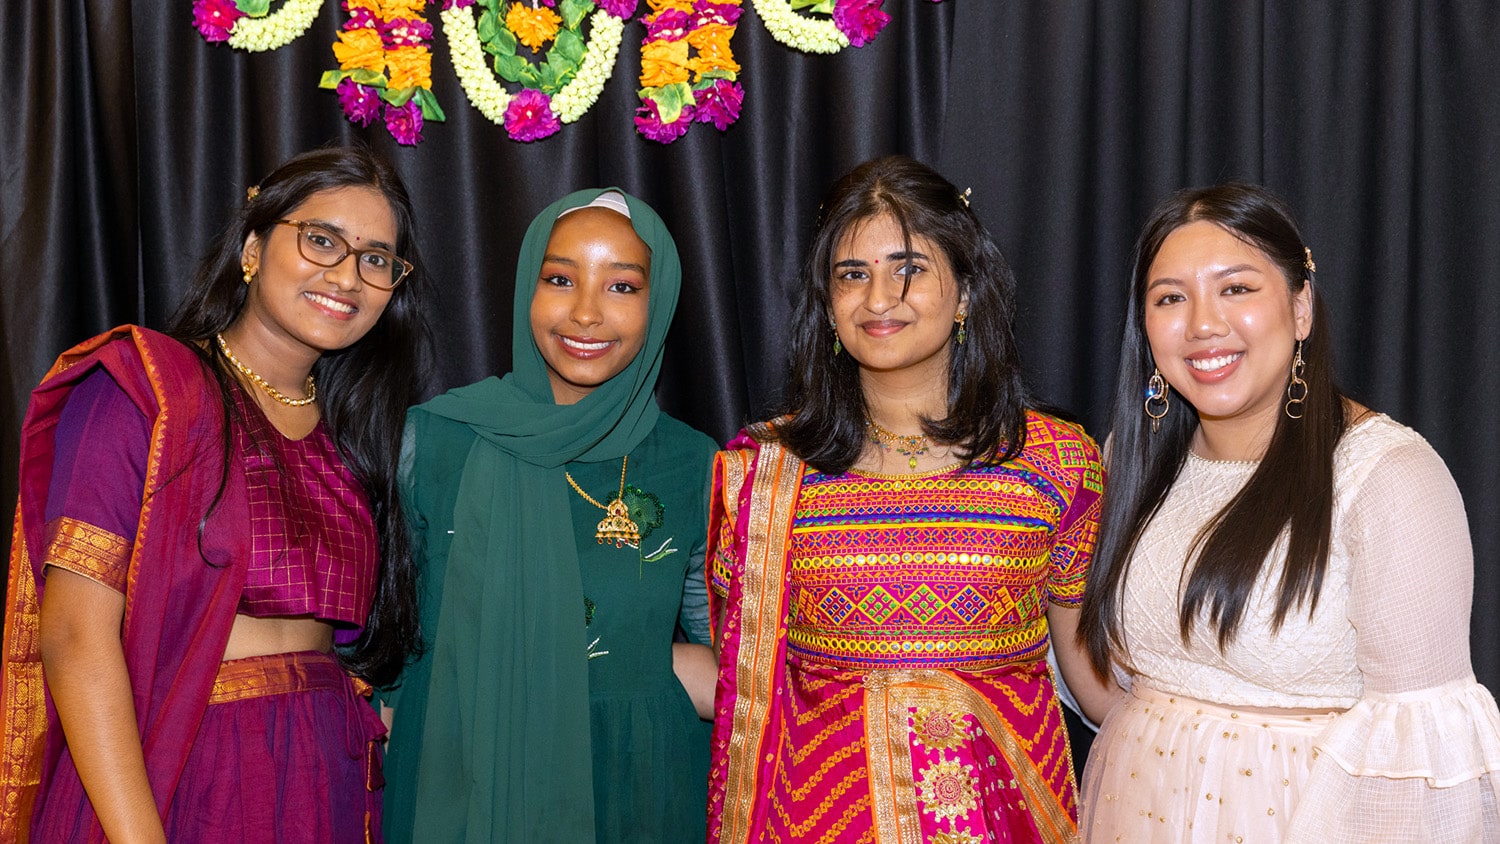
[[404, 123], [361, 18], [719, 103], [670, 25], [361, 103], [215, 18], [402, 32], [860, 20], [648, 123], [707, 12], [622, 9], [529, 116], [457, 4]]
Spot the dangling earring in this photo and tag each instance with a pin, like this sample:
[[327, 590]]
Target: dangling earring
[[1296, 391], [1156, 403], [249, 272], [962, 334], [837, 346]]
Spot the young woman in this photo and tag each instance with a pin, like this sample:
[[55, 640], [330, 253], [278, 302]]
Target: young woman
[[893, 558], [559, 515], [209, 543], [1284, 576]]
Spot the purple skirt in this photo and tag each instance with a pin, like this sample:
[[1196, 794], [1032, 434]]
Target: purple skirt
[[288, 751]]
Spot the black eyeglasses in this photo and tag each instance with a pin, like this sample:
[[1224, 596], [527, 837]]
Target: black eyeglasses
[[319, 244]]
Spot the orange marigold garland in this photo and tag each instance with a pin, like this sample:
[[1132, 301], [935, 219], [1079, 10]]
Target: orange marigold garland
[[688, 72], [385, 67]]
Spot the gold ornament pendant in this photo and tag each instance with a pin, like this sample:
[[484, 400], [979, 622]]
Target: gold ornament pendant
[[617, 526]]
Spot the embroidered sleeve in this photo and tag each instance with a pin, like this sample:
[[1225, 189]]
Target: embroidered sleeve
[[723, 515], [1078, 528], [98, 480]]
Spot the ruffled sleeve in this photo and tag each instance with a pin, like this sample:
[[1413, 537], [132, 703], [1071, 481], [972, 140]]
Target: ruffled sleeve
[[1417, 758]]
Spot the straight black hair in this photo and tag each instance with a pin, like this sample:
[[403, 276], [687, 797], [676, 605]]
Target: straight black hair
[[363, 390], [986, 417], [1290, 491]]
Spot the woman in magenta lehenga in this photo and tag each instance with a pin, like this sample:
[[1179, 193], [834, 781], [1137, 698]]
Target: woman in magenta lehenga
[[209, 562], [893, 558]]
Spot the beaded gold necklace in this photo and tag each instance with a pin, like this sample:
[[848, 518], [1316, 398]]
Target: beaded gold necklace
[[906, 446], [311, 388]]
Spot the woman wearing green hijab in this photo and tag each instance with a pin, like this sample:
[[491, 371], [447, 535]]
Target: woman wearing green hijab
[[558, 514]]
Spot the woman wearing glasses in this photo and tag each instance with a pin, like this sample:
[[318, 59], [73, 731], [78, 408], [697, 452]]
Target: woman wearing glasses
[[210, 559]]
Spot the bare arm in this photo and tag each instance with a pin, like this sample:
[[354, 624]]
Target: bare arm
[[698, 671], [84, 664], [1095, 694]]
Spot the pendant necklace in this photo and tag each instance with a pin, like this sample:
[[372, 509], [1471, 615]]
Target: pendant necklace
[[616, 526], [906, 446]]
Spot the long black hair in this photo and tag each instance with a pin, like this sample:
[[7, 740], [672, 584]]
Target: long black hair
[[986, 417], [1291, 490], [363, 390]]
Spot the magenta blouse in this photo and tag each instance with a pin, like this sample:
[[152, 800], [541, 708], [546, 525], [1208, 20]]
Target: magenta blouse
[[314, 550]]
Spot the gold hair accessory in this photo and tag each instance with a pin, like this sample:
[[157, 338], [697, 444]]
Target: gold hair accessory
[[1307, 261], [617, 526], [310, 387], [906, 446], [252, 192], [964, 197], [249, 272]]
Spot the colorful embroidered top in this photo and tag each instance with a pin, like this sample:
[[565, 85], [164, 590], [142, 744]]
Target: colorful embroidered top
[[953, 569], [313, 546]]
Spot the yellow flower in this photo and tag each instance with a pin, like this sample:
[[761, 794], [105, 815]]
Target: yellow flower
[[372, 5], [712, 44], [659, 6], [411, 67], [391, 9], [360, 49], [533, 27], [663, 63]]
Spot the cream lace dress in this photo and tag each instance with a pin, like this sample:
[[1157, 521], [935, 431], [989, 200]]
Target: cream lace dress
[[1406, 747]]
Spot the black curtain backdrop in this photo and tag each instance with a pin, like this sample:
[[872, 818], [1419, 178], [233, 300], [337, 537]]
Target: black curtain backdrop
[[126, 139]]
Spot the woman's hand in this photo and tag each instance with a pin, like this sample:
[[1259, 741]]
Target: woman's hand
[[698, 671], [1095, 695], [84, 664]]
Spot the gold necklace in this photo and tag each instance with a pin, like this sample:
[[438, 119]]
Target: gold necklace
[[616, 524], [906, 446], [310, 388]]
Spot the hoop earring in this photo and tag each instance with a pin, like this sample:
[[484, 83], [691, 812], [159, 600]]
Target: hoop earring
[[1156, 404], [837, 346], [1296, 391], [249, 272], [962, 333]]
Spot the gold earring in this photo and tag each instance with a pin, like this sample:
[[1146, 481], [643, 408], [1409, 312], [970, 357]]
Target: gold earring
[[249, 272], [1157, 391], [1296, 391], [962, 333], [837, 346]]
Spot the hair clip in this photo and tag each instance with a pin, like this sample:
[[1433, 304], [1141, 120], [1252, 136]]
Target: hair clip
[[964, 197], [1308, 261], [252, 192]]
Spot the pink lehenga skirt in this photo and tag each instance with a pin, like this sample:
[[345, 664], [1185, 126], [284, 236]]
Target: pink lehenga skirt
[[1167, 768]]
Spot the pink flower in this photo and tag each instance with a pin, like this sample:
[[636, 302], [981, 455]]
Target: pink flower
[[215, 18], [361, 103], [402, 32], [706, 12], [529, 116], [670, 25], [648, 123], [361, 18], [719, 103], [860, 20], [457, 4], [404, 123], [622, 9]]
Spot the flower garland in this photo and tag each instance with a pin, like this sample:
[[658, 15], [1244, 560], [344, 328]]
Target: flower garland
[[673, 30], [385, 67], [247, 24], [560, 88], [854, 22]]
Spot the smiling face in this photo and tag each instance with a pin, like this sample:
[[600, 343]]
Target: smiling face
[[1223, 323], [588, 312], [294, 305], [879, 328]]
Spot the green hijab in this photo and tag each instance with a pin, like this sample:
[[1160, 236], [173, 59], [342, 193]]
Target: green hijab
[[505, 738]]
